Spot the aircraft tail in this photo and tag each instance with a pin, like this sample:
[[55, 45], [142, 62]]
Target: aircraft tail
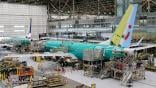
[[29, 33], [123, 34]]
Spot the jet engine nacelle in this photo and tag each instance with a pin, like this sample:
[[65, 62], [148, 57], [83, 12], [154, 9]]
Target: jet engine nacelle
[[129, 51]]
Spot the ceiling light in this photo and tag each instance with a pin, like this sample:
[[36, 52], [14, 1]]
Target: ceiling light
[[1, 26], [1, 30], [18, 26], [18, 30]]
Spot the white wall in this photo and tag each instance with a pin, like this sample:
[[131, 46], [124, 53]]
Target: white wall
[[19, 15]]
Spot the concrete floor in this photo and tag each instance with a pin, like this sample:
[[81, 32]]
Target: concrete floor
[[71, 84], [149, 82], [76, 77]]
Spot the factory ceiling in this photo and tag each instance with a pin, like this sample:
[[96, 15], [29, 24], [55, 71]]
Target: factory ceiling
[[82, 7]]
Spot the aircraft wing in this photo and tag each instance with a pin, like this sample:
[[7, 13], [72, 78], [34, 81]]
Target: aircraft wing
[[132, 50], [43, 55]]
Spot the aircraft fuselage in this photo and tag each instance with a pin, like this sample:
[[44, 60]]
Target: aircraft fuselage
[[77, 48]]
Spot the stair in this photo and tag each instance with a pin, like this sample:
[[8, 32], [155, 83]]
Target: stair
[[104, 74], [126, 77]]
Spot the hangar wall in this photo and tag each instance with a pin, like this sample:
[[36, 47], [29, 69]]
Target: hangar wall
[[15, 19]]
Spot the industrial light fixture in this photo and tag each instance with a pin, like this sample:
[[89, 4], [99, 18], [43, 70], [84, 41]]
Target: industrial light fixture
[[18, 26], [1, 30], [1, 26], [18, 30]]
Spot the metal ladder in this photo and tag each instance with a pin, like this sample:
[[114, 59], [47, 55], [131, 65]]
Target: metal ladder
[[104, 73], [126, 77]]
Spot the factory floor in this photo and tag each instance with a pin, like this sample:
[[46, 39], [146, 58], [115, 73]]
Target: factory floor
[[76, 78], [149, 82]]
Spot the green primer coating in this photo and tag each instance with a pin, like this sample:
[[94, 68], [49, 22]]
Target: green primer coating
[[19, 41], [78, 48]]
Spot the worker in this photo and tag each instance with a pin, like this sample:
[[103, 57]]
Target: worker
[[63, 70], [61, 62], [73, 66]]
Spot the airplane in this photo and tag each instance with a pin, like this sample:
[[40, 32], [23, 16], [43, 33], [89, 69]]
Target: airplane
[[17, 40], [120, 40]]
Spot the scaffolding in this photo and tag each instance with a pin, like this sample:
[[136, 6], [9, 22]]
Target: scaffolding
[[127, 69], [151, 64], [80, 7], [92, 62]]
